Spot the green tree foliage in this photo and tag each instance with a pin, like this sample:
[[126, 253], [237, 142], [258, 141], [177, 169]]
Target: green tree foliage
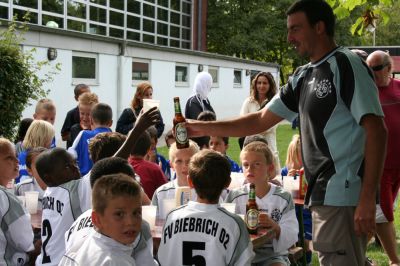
[[251, 29], [257, 30], [371, 10], [19, 82]]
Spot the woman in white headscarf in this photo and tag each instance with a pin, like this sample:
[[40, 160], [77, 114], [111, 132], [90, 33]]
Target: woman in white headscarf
[[199, 102]]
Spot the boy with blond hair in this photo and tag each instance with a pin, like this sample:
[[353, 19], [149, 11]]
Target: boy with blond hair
[[179, 161], [275, 205], [86, 101], [45, 110], [16, 235], [202, 232], [117, 217], [72, 116]]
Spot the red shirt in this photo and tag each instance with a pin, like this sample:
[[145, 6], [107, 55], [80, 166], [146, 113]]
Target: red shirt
[[151, 175], [390, 100]]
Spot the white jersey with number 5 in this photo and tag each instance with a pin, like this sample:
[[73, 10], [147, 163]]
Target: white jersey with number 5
[[204, 234], [61, 206]]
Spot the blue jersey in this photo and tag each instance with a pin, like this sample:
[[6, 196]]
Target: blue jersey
[[23, 173], [80, 148], [234, 166]]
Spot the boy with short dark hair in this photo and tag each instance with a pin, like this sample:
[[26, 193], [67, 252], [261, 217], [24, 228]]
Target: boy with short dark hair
[[210, 235], [83, 226], [117, 219], [151, 175], [101, 122], [154, 156], [63, 201], [221, 144], [275, 205], [34, 183]]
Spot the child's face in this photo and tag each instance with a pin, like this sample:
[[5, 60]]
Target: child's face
[[46, 115], [121, 220], [255, 167], [181, 163], [8, 164], [69, 171], [218, 144], [84, 115]]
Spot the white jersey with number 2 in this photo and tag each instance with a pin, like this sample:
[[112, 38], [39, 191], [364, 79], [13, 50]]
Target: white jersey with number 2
[[61, 206]]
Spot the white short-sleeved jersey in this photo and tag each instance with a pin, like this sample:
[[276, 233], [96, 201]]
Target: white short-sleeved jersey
[[82, 227], [99, 249], [87, 190], [61, 206], [204, 234], [278, 204], [167, 191], [16, 235], [29, 184]]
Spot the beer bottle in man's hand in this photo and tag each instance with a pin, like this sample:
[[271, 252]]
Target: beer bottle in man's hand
[[181, 136], [252, 212]]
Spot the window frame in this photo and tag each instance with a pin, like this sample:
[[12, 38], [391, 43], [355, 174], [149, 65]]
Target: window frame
[[140, 60], [94, 81], [215, 84], [182, 83], [238, 85]]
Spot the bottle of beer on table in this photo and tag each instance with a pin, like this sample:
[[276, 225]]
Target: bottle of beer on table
[[181, 136], [252, 212]]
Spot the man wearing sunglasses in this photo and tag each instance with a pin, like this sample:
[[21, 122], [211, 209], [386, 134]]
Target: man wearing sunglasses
[[389, 95]]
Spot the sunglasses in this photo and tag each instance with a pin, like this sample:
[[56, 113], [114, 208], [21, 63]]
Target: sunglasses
[[379, 67]]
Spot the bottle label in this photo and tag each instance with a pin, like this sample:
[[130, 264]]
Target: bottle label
[[180, 133], [252, 218]]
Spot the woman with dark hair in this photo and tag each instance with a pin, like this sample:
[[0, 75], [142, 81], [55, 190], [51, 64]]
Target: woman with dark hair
[[126, 121], [262, 89]]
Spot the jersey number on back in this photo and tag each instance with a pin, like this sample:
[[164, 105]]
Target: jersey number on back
[[187, 253], [46, 231]]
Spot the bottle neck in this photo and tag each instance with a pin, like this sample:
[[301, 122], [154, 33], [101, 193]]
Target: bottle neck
[[177, 107], [252, 194]]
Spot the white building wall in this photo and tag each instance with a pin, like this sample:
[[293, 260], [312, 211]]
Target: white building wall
[[114, 84]]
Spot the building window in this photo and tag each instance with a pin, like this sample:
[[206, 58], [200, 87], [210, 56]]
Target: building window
[[237, 78], [164, 22], [84, 67], [140, 70], [214, 74], [181, 74]]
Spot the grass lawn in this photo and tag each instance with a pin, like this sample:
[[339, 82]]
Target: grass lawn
[[284, 134]]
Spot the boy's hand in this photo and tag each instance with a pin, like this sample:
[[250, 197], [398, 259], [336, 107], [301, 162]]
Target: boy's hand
[[147, 119], [265, 221]]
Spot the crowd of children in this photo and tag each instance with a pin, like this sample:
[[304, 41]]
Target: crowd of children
[[91, 194]]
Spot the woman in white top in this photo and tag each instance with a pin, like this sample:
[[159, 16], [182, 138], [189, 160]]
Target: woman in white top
[[262, 89]]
